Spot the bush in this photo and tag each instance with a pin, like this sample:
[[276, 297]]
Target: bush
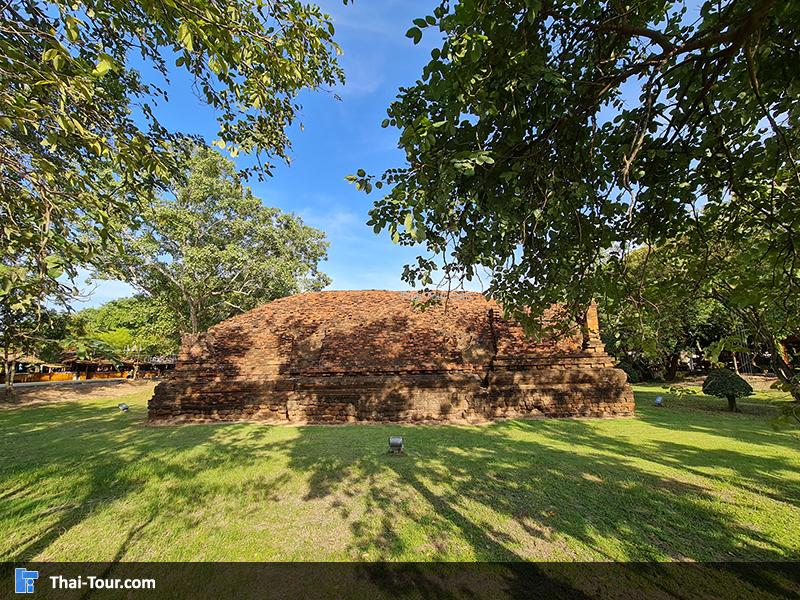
[[724, 383], [630, 371]]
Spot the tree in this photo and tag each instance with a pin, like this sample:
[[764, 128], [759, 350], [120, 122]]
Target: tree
[[17, 331], [81, 140], [34, 330], [130, 325], [215, 250], [708, 287], [724, 383], [657, 313], [546, 140], [736, 262]]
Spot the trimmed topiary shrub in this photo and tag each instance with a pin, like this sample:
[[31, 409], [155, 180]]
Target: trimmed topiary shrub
[[724, 383]]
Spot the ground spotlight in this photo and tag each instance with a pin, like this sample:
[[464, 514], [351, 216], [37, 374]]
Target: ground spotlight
[[396, 445]]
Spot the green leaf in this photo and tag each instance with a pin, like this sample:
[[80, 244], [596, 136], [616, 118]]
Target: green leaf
[[185, 37], [415, 34], [63, 116], [105, 64], [72, 28]]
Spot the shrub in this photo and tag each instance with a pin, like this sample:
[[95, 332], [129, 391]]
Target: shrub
[[724, 383], [630, 371]]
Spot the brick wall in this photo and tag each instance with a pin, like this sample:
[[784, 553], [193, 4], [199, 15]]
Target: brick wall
[[371, 356]]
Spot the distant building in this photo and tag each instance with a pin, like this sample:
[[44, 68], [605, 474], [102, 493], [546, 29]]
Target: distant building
[[72, 367]]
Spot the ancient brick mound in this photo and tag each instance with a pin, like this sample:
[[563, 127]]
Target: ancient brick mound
[[334, 357]]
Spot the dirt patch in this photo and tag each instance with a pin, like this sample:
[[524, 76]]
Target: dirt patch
[[70, 392], [759, 383]]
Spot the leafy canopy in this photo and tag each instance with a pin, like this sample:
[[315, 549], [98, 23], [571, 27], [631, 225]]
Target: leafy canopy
[[740, 262], [661, 313], [81, 139], [544, 141], [33, 331], [136, 325], [214, 250]]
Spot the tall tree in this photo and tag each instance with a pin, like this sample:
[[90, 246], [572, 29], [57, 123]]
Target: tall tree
[[720, 279], [32, 330], [214, 249], [735, 260], [543, 135], [81, 139], [137, 324], [658, 313]]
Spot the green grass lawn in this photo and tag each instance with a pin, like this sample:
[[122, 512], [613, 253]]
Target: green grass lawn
[[81, 481]]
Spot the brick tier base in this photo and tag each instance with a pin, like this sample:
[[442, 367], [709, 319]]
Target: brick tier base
[[237, 372], [569, 386]]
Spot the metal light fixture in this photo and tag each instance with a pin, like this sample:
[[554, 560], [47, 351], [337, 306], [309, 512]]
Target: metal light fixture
[[122, 407], [395, 445]]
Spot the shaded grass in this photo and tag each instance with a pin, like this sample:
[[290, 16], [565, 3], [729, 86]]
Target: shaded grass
[[765, 403], [81, 481]]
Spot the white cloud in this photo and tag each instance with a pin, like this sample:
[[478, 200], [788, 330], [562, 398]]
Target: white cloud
[[335, 222]]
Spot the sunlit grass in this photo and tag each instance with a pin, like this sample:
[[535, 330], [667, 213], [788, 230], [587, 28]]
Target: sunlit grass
[[82, 481]]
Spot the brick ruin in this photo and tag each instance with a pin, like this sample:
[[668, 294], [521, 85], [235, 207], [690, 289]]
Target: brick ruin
[[339, 357]]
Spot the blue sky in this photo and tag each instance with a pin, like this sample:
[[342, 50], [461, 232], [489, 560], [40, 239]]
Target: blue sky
[[339, 137]]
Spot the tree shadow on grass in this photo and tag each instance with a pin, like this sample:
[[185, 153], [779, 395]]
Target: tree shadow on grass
[[706, 413], [98, 456], [536, 493], [508, 495], [767, 475], [510, 491]]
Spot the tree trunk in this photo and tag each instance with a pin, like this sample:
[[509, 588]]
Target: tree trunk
[[732, 404], [11, 366], [785, 371], [193, 318], [781, 367], [673, 362]]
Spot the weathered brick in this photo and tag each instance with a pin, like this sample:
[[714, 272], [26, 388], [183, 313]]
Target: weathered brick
[[371, 356]]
